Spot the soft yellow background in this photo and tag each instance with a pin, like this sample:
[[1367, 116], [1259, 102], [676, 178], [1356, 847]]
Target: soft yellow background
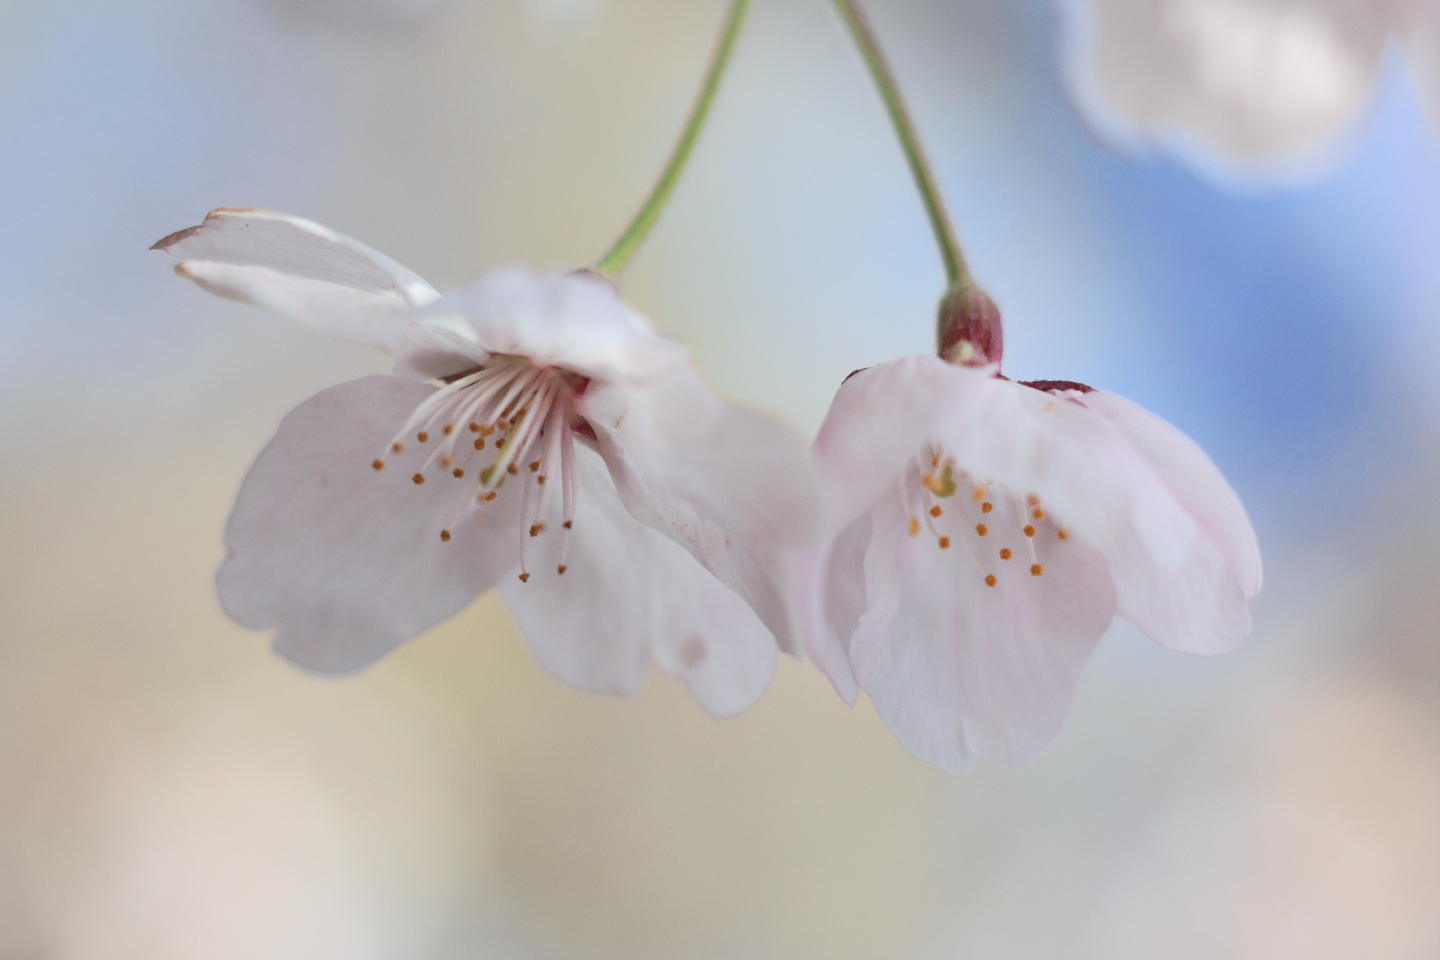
[[169, 789]]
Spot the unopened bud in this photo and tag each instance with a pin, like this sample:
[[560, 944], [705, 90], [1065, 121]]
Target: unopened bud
[[968, 332]]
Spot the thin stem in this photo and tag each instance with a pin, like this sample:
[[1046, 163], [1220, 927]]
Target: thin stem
[[613, 262], [955, 269]]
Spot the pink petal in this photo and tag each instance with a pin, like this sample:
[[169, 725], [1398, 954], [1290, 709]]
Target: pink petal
[[629, 595], [571, 320], [1172, 579], [302, 269], [1192, 478], [346, 560], [957, 668], [733, 487]]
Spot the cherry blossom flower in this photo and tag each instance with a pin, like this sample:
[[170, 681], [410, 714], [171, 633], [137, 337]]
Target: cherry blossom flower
[[536, 436], [984, 533], [1240, 84]]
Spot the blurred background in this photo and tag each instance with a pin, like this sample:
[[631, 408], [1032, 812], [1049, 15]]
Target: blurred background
[[169, 789]]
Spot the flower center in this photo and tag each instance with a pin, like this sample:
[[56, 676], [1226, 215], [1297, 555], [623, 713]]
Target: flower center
[[991, 523], [508, 420]]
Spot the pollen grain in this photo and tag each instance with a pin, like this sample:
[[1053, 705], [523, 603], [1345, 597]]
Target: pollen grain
[[990, 580], [914, 526], [1005, 553], [1036, 569], [1029, 531]]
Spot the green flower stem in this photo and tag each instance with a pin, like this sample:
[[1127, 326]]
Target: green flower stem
[[613, 262], [955, 270]]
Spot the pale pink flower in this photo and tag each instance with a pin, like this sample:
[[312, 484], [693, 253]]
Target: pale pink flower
[[985, 533], [1241, 84], [536, 436]]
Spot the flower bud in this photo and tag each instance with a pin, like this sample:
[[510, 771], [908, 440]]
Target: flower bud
[[968, 331]]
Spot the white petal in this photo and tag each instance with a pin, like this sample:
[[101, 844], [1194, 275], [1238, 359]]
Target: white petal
[[733, 487], [957, 668], [1172, 579], [346, 560], [843, 600], [573, 320], [302, 269], [630, 595], [876, 424], [1247, 79], [1192, 478]]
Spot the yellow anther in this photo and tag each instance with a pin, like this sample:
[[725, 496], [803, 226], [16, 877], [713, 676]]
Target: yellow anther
[[568, 524], [914, 526], [397, 446], [981, 529], [1033, 499], [1005, 553], [474, 427], [500, 444], [418, 479], [449, 429], [445, 536], [1063, 534], [1029, 530], [537, 529], [1037, 514], [457, 473], [378, 464], [487, 497], [990, 580], [479, 443], [512, 469], [524, 578], [422, 436], [561, 569], [978, 494], [540, 479], [1036, 569], [446, 462], [986, 507], [534, 465], [934, 511], [944, 543]]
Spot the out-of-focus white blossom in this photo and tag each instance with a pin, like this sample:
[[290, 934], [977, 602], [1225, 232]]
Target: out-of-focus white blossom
[[1244, 85]]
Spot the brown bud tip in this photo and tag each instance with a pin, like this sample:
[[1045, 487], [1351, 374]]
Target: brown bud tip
[[968, 331]]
